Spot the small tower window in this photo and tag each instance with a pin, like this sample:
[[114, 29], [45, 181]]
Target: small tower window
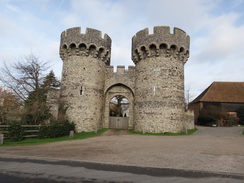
[[182, 50], [81, 90]]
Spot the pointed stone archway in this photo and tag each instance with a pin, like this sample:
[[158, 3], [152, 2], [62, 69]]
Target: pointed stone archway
[[119, 121], [119, 107]]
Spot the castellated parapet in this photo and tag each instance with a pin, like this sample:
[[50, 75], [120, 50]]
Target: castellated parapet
[[154, 87], [160, 43], [91, 43]]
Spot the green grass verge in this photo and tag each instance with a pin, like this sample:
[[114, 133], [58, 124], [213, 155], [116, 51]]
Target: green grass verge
[[191, 131], [35, 141]]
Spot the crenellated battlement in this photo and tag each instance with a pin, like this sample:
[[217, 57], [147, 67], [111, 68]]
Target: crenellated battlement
[[90, 33], [120, 70], [160, 43], [74, 43]]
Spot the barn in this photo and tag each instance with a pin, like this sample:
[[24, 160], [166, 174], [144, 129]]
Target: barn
[[219, 97]]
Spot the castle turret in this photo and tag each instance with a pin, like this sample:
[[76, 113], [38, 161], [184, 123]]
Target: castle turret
[[85, 57], [159, 87]]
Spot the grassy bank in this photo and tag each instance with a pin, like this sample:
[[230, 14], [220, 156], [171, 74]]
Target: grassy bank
[[36, 141]]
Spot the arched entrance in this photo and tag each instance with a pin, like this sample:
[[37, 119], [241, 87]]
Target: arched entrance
[[119, 106], [119, 112]]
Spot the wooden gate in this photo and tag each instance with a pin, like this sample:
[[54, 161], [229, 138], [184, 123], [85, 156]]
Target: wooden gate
[[119, 122]]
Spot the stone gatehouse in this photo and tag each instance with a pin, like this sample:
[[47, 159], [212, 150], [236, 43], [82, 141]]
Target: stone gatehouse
[[153, 88]]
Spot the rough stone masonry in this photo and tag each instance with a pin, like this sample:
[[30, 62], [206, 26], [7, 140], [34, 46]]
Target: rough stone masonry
[[154, 87]]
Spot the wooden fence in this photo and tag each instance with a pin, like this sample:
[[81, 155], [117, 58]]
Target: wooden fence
[[31, 131], [118, 122]]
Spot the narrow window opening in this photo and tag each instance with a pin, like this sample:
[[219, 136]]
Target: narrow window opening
[[182, 50], [81, 91]]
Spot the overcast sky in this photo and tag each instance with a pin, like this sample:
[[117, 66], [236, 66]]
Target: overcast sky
[[216, 29]]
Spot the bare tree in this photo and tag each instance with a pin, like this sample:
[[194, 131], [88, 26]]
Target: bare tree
[[28, 80], [118, 104], [24, 76]]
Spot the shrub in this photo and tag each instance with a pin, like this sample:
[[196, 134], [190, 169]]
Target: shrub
[[206, 119], [232, 119], [56, 129], [16, 131]]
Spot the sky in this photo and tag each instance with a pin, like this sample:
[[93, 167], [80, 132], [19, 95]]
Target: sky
[[215, 27]]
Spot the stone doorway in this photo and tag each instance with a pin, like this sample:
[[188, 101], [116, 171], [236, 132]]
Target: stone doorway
[[119, 106]]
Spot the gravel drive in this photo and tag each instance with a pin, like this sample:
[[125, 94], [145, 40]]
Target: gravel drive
[[219, 150]]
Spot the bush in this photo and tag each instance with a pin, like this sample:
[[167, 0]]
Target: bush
[[16, 131], [240, 114], [208, 116], [206, 119], [56, 129], [231, 119]]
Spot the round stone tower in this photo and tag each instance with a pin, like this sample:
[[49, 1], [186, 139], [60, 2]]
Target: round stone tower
[[159, 87], [85, 57]]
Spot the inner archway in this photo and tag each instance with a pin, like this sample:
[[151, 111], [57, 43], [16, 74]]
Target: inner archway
[[119, 106]]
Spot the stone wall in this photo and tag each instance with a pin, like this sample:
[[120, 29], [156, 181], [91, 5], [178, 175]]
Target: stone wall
[[189, 119], [121, 76], [159, 96], [82, 90]]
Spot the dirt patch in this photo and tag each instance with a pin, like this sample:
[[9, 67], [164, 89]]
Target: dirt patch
[[113, 132]]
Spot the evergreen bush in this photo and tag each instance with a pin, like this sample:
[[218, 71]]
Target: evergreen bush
[[206, 118], [16, 131], [56, 129]]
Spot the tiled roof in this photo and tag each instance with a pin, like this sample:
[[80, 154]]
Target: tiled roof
[[222, 92]]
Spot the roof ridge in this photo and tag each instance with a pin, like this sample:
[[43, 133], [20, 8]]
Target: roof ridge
[[200, 96], [222, 92]]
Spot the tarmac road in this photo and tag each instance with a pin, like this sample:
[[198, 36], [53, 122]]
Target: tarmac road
[[224, 132], [47, 171]]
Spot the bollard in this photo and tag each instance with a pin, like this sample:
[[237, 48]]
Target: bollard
[[1, 139], [95, 130], [71, 134]]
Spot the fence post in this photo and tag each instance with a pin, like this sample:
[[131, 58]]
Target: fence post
[[71, 134], [39, 131], [1, 139]]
